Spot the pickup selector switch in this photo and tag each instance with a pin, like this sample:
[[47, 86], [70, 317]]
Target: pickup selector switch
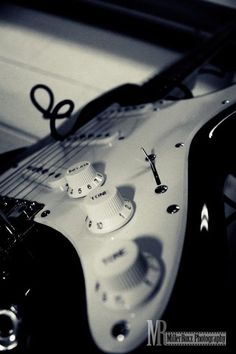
[[107, 210], [82, 179], [126, 275]]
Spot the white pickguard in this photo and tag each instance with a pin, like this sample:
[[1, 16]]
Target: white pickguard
[[157, 128]]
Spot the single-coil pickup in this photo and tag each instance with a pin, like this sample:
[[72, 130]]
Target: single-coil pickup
[[103, 138]]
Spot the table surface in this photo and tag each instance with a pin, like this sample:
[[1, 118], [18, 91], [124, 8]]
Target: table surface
[[78, 61]]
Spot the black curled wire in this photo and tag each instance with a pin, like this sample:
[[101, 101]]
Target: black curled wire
[[52, 112]]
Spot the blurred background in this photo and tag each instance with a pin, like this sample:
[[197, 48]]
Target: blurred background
[[81, 49]]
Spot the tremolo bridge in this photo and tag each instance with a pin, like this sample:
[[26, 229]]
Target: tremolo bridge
[[16, 221]]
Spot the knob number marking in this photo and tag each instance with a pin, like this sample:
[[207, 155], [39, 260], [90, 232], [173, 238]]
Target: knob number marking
[[100, 225], [127, 206], [107, 210], [114, 256], [77, 168], [99, 195], [104, 297], [119, 300], [126, 275], [97, 286], [82, 179]]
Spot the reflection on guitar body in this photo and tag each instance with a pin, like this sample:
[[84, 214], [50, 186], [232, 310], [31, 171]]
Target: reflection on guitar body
[[97, 188]]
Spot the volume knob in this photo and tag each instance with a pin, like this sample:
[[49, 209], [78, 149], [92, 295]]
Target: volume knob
[[126, 275], [107, 210], [82, 179]]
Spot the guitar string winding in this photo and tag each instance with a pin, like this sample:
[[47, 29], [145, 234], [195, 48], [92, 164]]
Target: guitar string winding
[[46, 151], [53, 156], [6, 182], [85, 130], [41, 155], [104, 127], [51, 113], [60, 166], [32, 181]]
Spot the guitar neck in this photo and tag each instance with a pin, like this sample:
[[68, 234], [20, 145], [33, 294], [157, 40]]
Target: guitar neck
[[163, 83]]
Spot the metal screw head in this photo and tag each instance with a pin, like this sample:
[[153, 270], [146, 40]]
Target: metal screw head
[[120, 330], [45, 213], [161, 189], [225, 101], [172, 209]]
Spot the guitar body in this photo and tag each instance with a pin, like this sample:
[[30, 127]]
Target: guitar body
[[175, 228]]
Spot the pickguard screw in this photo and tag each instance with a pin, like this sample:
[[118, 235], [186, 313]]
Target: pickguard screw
[[178, 145], [45, 213], [172, 209], [120, 330], [225, 102]]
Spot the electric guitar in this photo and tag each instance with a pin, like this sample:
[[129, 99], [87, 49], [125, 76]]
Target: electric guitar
[[128, 189]]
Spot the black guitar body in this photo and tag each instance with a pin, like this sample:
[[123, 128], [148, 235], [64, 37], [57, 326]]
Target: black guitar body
[[45, 306], [46, 279], [204, 295]]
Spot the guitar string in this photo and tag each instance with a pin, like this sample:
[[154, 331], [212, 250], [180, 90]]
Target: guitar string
[[53, 148], [107, 113], [75, 150], [58, 167], [52, 158], [36, 159], [17, 171], [102, 128]]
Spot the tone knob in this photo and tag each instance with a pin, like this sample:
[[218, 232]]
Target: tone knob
[[120, 266], [126, 275], [107, 210], [82, 179]]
